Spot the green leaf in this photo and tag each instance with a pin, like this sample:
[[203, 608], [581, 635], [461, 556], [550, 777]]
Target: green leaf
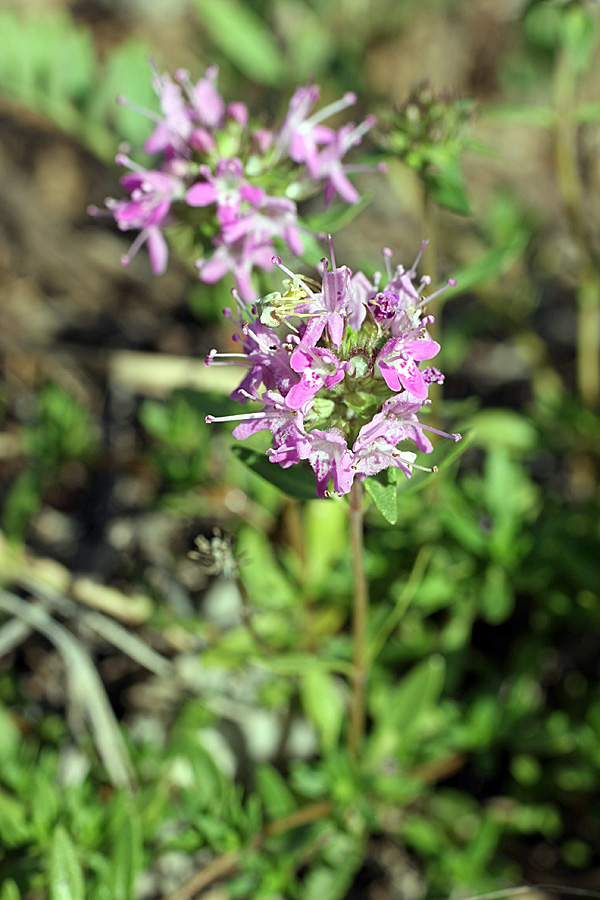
[[9, 890], [320, 519], [10, 737], [385, 498], [276, 796], [126, 71], [14, 830], [497, 598], [489, 264], [445, 181], [503, 428], [542, 25], [361, 402], [323, 704], [22, 502], [579, 35], [244, 38], [587, 113], [65, 875], [297, 481], [417, 691], [127, 853]]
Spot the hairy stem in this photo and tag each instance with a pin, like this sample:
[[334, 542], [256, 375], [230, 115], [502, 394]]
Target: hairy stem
[[359, 620]]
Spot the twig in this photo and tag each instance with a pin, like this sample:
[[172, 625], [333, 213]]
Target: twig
[[228, 863]]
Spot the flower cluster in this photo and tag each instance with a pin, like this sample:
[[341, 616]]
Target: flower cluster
[[343, 388], [235, 185]]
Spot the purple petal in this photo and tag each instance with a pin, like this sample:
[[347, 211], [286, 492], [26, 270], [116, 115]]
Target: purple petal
[[157, 251], [201, 194]]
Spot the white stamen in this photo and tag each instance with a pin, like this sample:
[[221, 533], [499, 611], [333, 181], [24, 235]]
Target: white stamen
[[349, 99], [242, 417]]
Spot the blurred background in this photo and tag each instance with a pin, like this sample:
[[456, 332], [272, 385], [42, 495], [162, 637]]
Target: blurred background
[[156, 716]]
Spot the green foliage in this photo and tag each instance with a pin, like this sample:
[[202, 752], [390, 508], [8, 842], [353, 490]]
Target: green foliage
[[429, 134], [50, 65], [65, 876], [244, 37], [60, 432]]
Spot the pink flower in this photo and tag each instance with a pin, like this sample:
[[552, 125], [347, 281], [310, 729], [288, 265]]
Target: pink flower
[[239, 258], [227, 188], [330, 458], [333, 409], [148, 209]]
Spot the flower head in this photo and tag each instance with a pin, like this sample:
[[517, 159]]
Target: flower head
[[236, 185], [344, 399]]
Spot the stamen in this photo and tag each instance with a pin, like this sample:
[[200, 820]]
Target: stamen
[[449, 284], [387, 255], [349, 99], [139, 241], [333, 266], [121, 159], [210, 419], [456, 437], [296, 279], [412, 465], [229, 359], [413, 268], [135, 107]]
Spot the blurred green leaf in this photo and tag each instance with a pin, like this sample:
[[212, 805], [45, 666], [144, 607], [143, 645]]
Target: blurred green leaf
[[63, 429], [21, 503], [244, 38], [445, 181], [127, 853], [10, 739], [503, 428], [49, 64], [276, 796], [14, 828], [320, 519], [497, 598], [587, 113], [384, 496], [401, 705], [9, 890], [65, 875], [579, 34], [490, 264], [323, 704]]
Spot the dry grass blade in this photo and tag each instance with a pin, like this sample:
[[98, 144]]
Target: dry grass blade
[[85, 687]]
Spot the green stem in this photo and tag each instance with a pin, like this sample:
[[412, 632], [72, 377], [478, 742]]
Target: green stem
[[572, 196], [588, 337], [359, 621]]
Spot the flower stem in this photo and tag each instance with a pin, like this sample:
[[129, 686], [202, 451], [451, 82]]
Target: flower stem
[[359, 621], [572, 193]]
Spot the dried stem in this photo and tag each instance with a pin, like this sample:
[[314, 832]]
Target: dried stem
[[359, 620], [227, 864]]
